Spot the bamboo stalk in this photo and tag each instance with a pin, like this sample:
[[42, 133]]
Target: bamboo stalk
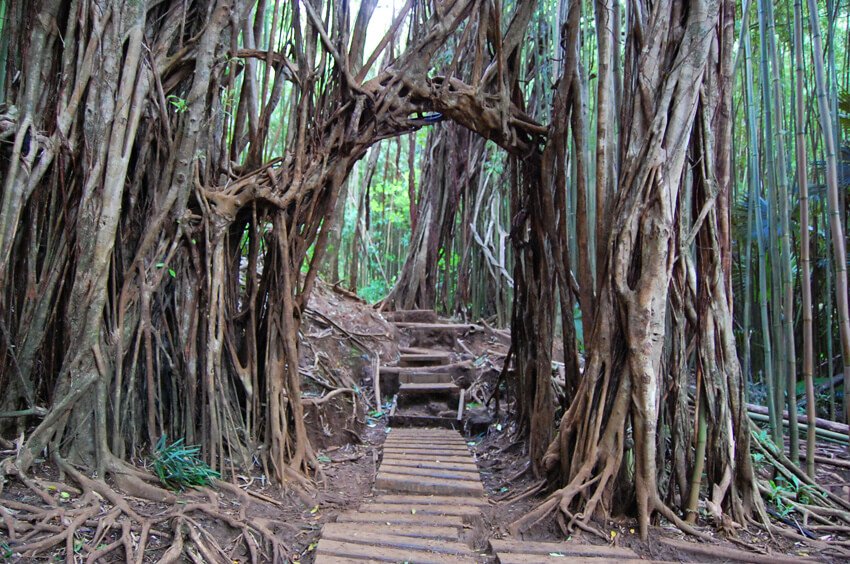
[[836, 221], [805, 259]]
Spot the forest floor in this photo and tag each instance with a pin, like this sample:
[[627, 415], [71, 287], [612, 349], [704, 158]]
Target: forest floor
[[340, 338]]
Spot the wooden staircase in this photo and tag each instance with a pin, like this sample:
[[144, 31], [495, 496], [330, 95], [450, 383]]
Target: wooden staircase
[[424, 380]]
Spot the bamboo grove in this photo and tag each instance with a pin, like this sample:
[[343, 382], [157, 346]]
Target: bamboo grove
[[617, 176]]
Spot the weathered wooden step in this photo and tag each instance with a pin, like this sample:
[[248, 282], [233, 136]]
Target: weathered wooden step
[[426, 448], [437, 326], [424, 359], [526, 549], [425, 378], [444, 466], [403, 420], [350, 550], [352, 530], [419, 350], [431, 472], [427, 442], [554, 559], [402, 517], [389, 539], [454, 509], [391, 481], [407, 500], [450, 368], [412, 315], [427, 389], [426, 433], [425, 457], [424, 453]]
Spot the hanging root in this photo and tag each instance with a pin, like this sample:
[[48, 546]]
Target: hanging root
[[92, 521]]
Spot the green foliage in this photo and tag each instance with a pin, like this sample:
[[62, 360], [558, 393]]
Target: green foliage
[[782, 490], [374, 291], [178, 466], [180, 104], [6, 551]]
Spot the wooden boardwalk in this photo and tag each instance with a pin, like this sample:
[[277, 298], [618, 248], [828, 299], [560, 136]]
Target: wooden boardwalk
[[429, 488]]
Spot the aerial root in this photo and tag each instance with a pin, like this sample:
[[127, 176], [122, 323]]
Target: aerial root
[[93, 521]]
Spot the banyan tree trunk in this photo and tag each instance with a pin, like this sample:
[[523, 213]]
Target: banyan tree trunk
[[452, 164], [625, 438], [160, 235]]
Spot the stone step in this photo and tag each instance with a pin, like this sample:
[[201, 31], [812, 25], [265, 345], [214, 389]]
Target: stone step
[[394, 482]]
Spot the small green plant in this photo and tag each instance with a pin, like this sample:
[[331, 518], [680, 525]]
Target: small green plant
[[178, 466], [6, 551], [180, 104]]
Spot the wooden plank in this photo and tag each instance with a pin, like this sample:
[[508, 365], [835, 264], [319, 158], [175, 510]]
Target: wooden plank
[[405, 442], [506, 546], [423, 421], [395, 404], [451, 368], [390, 540], [420, 359], [427, 500], [426, 433], [422, 315], [421, 484], [416, 350], [438, 326], [400, 518], [460, 404], [417, 531], [425, 378], [416, 388], [413, 452], [546, 559], [351, 550], [431, 472], [451, 509], [446, 466], [434, 441], [376, 374], [427, 458]]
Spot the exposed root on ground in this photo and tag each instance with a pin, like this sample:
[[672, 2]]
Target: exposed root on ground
[[94, 521]]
